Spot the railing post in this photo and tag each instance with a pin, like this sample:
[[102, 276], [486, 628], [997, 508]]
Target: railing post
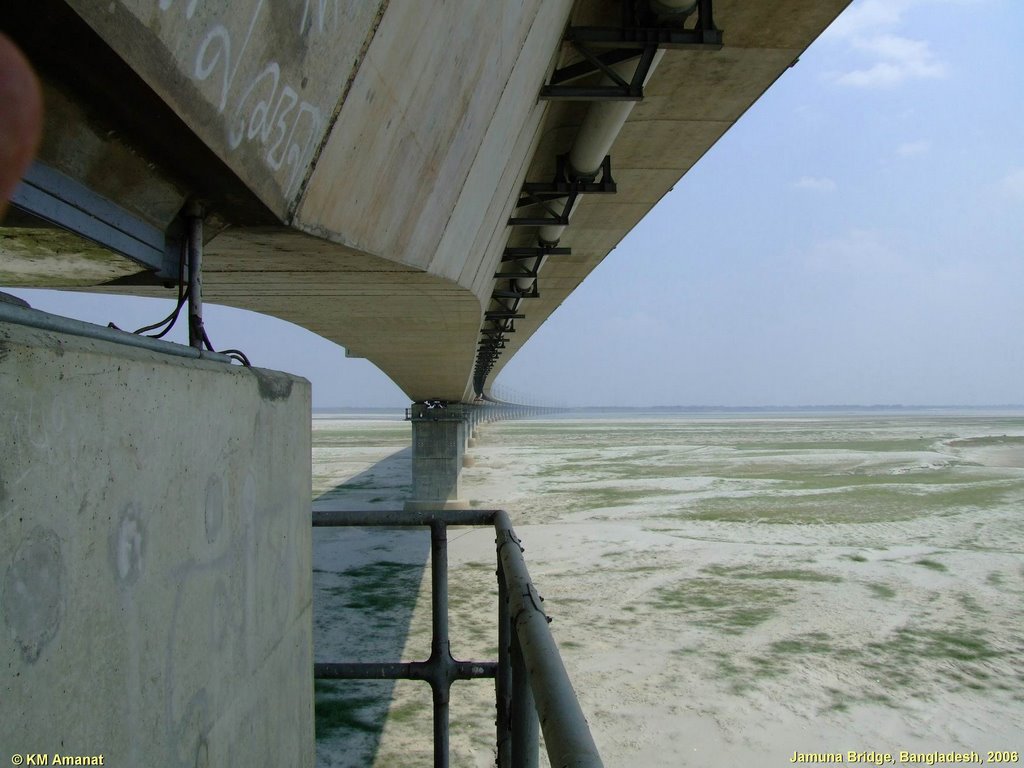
[[440, 643], [531, 685]]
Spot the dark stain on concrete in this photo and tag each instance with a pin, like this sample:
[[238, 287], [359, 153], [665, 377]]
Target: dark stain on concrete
[[192, 728], [33, 592], [273, 386]]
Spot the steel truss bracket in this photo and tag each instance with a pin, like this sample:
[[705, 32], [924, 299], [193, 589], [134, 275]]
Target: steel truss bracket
[[513, 291], [524, 273], [534, 252], [564, 187], [553, 217], [640, 35], [566, 183], [58, 199], [499, 327], [619, 89]]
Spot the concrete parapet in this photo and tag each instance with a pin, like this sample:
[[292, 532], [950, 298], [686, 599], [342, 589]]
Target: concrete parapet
[[155, 556]]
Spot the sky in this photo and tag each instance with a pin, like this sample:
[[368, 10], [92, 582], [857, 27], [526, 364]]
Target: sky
[[856, 238]]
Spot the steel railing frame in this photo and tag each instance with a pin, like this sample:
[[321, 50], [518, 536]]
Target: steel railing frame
[[531, 684]]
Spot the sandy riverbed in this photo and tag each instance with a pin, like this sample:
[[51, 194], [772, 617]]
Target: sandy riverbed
[[724, 591]]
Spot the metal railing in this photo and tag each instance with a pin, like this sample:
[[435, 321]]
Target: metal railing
[[531, 683]]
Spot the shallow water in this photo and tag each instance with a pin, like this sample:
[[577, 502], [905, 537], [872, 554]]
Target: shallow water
[[725, 588]]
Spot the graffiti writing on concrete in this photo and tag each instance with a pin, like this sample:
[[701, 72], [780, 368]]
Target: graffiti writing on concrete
[[321, 11], [263, 111]]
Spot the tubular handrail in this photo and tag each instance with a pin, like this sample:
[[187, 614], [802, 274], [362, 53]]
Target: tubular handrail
[[566, 732], [531, 683]]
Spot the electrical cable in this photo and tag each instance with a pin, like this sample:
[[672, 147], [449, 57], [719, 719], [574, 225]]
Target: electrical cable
[[172, 318], [183, 292], [237, 354]]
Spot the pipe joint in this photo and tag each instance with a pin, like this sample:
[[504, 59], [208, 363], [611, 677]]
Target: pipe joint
[[672, 10]]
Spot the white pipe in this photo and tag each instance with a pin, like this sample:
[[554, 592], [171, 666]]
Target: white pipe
[[673, 8], [601, 126]]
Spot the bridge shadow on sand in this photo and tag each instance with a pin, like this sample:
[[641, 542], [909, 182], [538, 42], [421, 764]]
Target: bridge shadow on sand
[[365, 586]]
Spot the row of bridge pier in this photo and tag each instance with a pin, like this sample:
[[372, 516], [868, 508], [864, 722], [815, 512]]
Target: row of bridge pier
[[442, 434]]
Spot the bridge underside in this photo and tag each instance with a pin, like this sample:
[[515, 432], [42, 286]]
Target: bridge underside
[[388, 238]]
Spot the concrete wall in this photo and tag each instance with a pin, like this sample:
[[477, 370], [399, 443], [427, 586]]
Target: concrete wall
[[400, 128], [429, 150], [258, 80], [155, 557]]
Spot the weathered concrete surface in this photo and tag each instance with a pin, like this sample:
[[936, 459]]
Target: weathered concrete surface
[[259, 81], [439, 440], [433, 136], [395, 137], [418, 328], [155, 557]]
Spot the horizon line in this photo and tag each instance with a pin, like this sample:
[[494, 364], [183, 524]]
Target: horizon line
[[825, 407]]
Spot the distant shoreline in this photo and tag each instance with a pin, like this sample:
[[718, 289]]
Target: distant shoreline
[[705, 409]]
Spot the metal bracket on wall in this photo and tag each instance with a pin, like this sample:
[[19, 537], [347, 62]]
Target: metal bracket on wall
[[531, 252], [562, 187], [512, 292], [490, 345], [565, 184], [58, 199], [640, 35], [503, 314], [500, 327]]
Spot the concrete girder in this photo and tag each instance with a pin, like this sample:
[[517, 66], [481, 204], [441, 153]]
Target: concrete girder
[[341, 122]]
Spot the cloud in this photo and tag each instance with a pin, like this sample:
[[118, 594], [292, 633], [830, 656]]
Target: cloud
[[867, 15], [822, 183], [910, 148], [900, 59], [869, 31]]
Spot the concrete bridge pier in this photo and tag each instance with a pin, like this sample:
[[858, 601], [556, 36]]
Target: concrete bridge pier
[[440, 436], [474, 419]]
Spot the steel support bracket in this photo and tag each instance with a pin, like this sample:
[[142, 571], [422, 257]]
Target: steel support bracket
[[565, 186], [566, 183], [54, 197], [641, 34], [618, 90], [553, 217], [534, 252], [515, 293]]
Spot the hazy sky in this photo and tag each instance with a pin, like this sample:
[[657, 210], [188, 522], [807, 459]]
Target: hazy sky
[[857, 237]]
